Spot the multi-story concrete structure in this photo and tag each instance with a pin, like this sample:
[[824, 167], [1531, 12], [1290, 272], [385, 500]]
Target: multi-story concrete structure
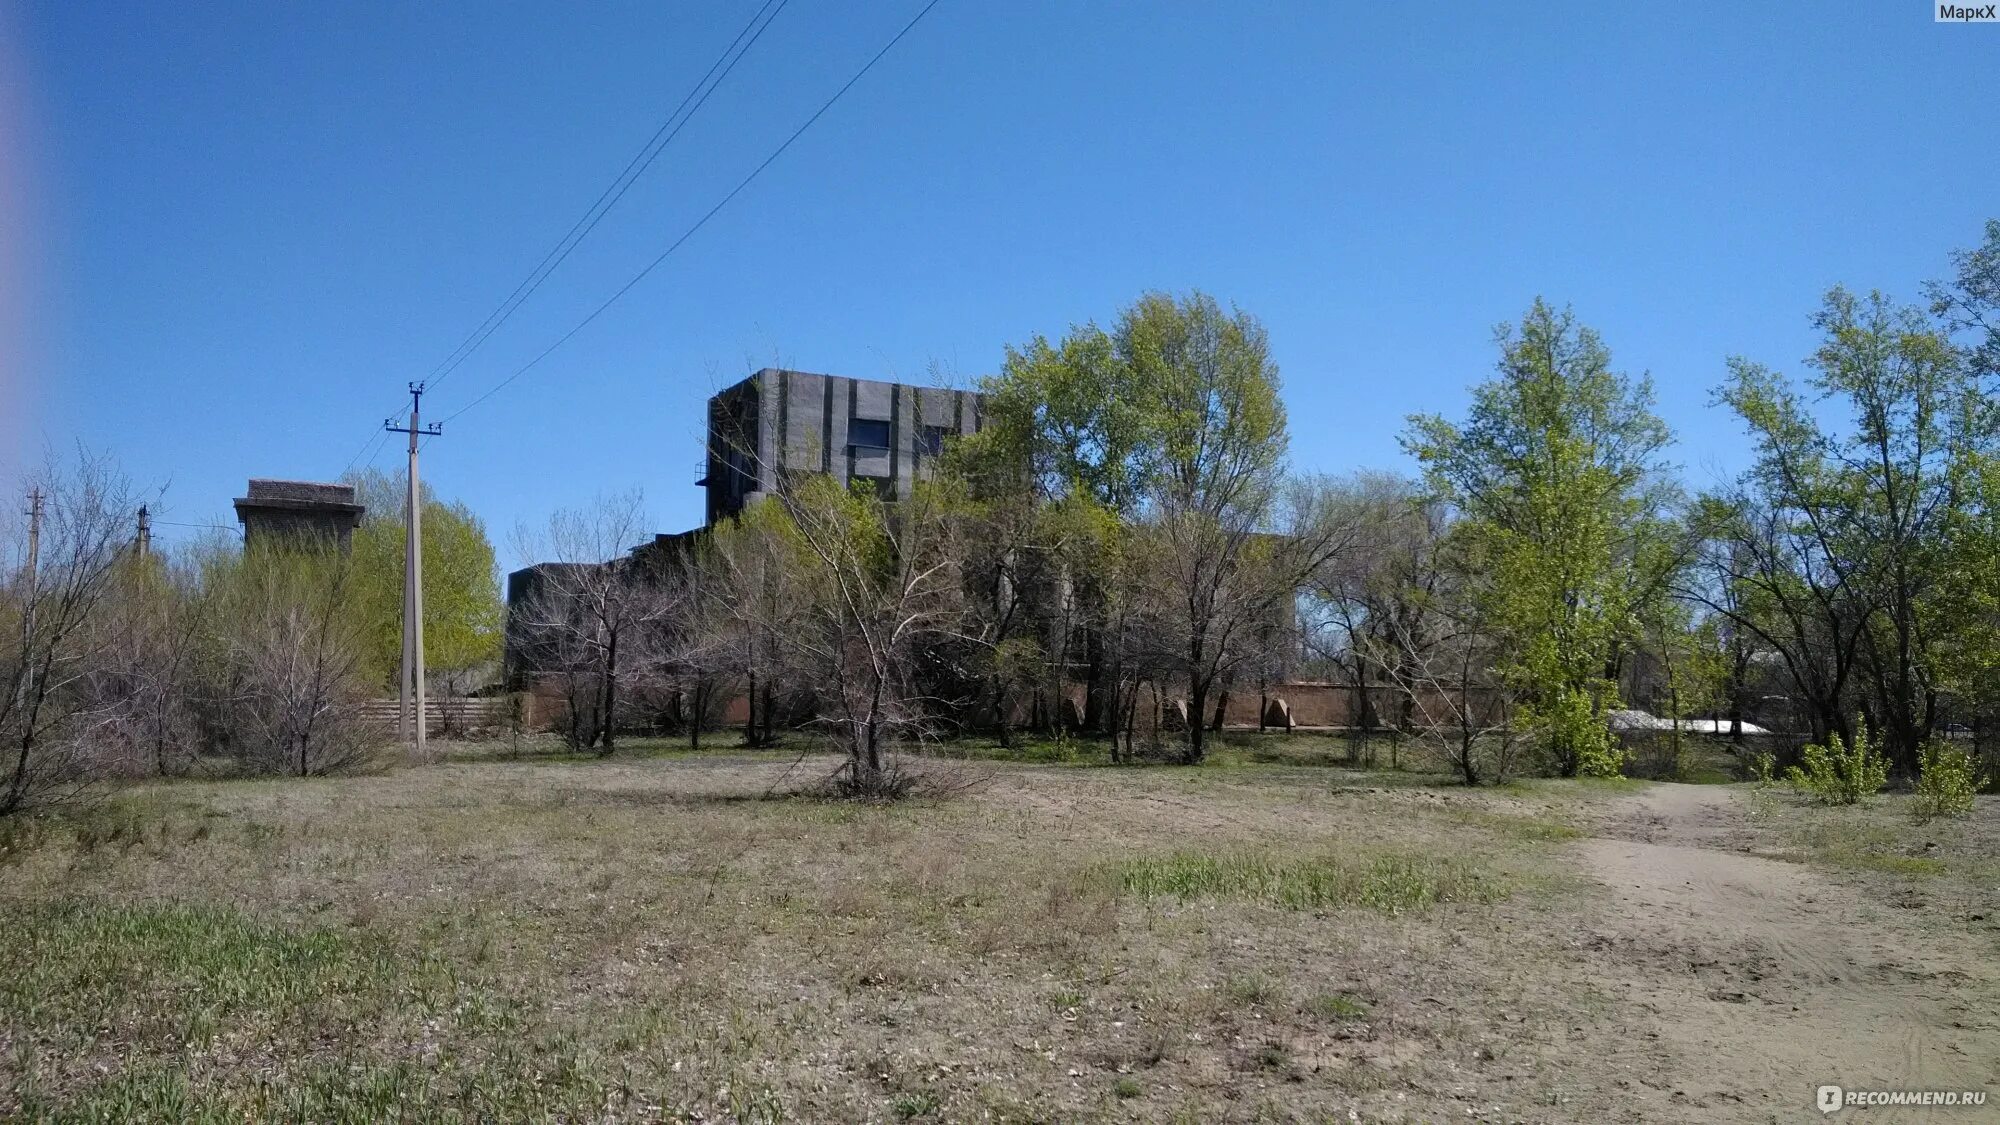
[[779, 421], [856, 429], [298, 512]]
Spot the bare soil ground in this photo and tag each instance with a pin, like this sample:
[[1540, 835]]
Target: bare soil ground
[[685, 938], [1764, 979]]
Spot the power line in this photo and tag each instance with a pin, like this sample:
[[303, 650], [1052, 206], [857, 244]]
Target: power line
[[373, 438], [703, 221], [233, 529], [689, 105], [615, 191]]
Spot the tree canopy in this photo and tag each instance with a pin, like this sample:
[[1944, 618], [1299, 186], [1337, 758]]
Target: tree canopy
[[462, 606], [1558, 474]]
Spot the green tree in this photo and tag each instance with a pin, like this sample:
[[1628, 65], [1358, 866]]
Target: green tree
[[1058, 466], [1969, 586], [1152, 460], [1150, 455], [752, 592], [462, 605], [291, 645], [1065, 420], [1224, 575], [1557, 472], [1969, 304], [1880, 522]]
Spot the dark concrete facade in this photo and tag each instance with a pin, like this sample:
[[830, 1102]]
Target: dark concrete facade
[[797, 421], [528, 648], [298, 512], [777, 421]]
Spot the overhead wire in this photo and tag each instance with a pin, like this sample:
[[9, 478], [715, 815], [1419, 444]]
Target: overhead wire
[[702, 90], [703, 221], [669, 128]]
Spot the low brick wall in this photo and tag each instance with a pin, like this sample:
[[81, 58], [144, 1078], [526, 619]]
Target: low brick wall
[[1312, 705]]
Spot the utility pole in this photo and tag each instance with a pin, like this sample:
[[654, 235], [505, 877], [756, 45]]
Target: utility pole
[[34, 577], [34, 542], [144, 543], [412, 689]]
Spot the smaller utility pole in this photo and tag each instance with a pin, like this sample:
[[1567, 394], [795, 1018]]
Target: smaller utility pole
[[412, 689], [34, 578], [144, 543], [34, 540]]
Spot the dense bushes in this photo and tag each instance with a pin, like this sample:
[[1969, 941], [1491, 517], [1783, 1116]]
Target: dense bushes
[[117, 661]]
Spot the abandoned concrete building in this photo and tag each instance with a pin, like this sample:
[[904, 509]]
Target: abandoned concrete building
[[856, 429], [298, 512], [782, 421]]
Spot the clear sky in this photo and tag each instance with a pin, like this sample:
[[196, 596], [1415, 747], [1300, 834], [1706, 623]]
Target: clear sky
[[232, 233]]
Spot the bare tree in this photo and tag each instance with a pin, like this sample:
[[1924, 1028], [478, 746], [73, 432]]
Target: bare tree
[[871, 584], [1376, 604], [160, 609], [668, 667], [1221, 576], [1442, 661], [590, 601], [557, 640], [297, 650], [693, 652], [1769, 574], [54, 632]]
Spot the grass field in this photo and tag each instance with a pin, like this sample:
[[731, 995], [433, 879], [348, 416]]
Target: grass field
[[675, 936]]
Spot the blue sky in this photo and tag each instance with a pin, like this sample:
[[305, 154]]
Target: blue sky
[[238, 231]]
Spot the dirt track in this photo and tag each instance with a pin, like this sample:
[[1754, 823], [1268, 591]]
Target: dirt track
[[1768, 979]]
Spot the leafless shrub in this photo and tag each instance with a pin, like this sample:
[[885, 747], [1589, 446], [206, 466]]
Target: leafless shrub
[[847, 592], [160, 610], [900, 778], [294, 654]]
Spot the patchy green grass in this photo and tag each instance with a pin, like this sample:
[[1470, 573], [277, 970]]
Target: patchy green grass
[[1252, 990], [116, 964], [548, 749], [1839, 839], [1574, 788], [1390, 883], [1542, 828], [1380, 751], [666, 936], [185, 1005], [1949, 868], [1335, 1006]]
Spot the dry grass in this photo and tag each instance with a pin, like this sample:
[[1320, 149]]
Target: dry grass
[[675, 936], [1950, 866]]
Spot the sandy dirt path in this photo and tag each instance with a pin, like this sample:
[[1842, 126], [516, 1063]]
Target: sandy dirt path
[[1767, 979]]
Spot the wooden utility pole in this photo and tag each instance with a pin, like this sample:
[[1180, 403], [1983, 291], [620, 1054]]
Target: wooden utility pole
[[411, 721]]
